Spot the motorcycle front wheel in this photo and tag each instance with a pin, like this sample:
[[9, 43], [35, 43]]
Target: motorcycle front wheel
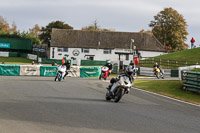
[[108, 98], [59, 76], [118, 95], [157, 75], [56, 77]]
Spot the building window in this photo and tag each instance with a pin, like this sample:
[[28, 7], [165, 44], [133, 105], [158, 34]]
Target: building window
[[107, 51], [65, 49], [127, 57], [85, 50], [59, 49]]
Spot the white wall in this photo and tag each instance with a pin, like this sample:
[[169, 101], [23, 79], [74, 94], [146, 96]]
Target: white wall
[[150, 53], [99, 54]]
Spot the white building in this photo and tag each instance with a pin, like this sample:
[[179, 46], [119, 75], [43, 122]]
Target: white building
[[95, 45]]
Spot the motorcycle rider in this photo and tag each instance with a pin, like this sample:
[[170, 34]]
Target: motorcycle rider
[[156, 65], [109, 65], [67, 64], [128, 72]]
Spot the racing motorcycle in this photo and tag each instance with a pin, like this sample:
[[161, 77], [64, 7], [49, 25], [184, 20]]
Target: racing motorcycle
[[158, 73], [60, 73], [104, 72], [119, 88]]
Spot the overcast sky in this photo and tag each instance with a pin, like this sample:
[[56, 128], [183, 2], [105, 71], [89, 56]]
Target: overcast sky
[[121, 15]]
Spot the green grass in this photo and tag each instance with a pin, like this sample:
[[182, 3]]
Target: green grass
[[171, 88], [196, 70], [192, 56], [189, 55], [15, 60]]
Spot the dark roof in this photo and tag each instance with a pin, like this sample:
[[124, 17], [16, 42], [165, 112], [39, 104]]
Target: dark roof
[[104, 40]]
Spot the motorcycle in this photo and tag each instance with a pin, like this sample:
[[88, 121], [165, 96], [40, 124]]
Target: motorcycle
[[104, 72], [158, 73], [60, 73], [119, 88]]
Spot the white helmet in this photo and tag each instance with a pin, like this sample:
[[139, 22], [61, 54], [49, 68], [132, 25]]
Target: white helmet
[[108, 61]]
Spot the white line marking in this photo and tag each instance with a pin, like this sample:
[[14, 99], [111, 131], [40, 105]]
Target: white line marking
[[166, 97]]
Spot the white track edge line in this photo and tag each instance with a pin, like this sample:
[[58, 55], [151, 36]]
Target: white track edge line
[[166, 97]]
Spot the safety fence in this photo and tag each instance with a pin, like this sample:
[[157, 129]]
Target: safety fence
[[166, 63], [92, 63], [90, 71], [75, 71], [39, 70], [191, 81], [145, 71]]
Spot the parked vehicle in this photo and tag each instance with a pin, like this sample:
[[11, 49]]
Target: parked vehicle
[[60, 73], [158, 73], [104, 73]]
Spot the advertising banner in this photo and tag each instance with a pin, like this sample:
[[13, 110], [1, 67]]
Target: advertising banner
[[48, 70], [90, 71], [30, 70], [4, 54], [32, 56], [12, 70], [4, 45]]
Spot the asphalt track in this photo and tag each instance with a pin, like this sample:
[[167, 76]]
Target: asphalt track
[[78, 105]]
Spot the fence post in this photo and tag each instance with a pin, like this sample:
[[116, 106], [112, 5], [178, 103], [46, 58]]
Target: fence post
[[167, 63], [186, 63], [176, 63], [152, 60], [160, 61]]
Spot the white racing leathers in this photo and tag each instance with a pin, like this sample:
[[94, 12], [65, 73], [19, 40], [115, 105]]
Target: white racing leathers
[[62, 69]]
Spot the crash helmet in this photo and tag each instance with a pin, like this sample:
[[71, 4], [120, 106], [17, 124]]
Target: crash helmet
[[108, 61], [129, 70], [156, 63]]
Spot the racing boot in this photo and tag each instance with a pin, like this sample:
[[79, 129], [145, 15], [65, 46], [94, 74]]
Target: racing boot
[[109, 87]]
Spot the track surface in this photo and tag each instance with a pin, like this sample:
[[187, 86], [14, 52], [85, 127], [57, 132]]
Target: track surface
[[77, 105]]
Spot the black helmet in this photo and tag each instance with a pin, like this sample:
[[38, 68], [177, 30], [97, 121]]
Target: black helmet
[[129, 70], [68, 61]]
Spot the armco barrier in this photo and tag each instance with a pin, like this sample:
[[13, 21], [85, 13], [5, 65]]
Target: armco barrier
[[192, 81], [33, 70], [90, 71], [48, 70], [10, 70]]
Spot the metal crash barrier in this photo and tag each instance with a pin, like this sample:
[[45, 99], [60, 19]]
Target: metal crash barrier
[[191, 81]]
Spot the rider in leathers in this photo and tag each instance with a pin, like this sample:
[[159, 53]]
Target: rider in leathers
[[128, 72]]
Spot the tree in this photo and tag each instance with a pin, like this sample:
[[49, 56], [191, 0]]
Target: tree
[[4, 26], [14, 27], [148, 31], [169, 27], [35, 30], [95, 27], [45, 35]]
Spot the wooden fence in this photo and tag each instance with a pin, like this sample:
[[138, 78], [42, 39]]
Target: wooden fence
[[165, 63]]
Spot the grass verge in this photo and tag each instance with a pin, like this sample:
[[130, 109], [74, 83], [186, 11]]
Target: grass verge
[[15, 60], [171, 88]]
